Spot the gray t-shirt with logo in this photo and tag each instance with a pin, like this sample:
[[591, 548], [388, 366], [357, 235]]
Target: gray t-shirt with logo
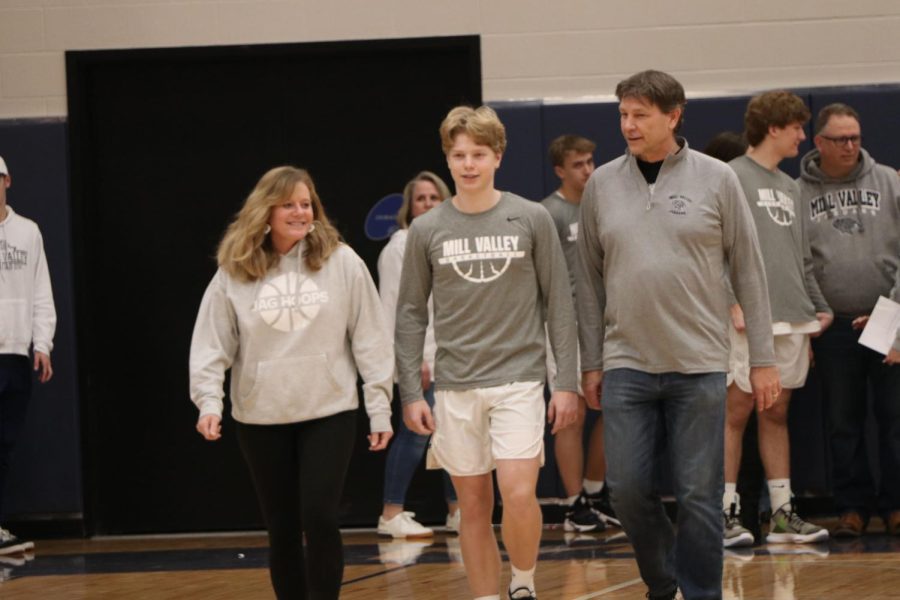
[[495, 277], [565, 216], [774, 201]]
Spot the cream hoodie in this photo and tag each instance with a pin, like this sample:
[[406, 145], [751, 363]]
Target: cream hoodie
[[27, 313], [294, 342]]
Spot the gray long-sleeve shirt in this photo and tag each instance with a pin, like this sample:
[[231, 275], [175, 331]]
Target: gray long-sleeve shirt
[[650, 289], [774, 201], [494, 277]]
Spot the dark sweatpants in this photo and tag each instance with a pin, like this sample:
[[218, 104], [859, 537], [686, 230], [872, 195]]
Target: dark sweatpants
[[15, 390]]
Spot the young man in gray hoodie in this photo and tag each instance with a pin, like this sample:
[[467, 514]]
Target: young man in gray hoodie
[[773, 124], [660, 229], [853, 209]]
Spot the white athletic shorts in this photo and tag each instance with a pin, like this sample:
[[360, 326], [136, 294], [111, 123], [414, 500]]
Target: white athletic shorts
[[474, 428], [791, 358]]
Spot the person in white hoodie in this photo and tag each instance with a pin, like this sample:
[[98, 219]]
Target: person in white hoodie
[[27, 321], [422, 193], [293, 312]]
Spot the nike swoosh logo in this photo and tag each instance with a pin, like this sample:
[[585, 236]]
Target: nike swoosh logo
[[512, 218]]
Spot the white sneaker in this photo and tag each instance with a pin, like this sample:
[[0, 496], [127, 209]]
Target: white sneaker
[[403, 526], [452, 523]]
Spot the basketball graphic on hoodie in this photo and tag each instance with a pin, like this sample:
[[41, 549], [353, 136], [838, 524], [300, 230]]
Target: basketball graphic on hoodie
[[289, 302]]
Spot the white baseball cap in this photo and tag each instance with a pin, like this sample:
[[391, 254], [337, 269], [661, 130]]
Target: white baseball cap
[[3, 169]]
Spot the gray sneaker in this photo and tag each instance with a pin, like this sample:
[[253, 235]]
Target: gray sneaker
[[735, 533], [786, 527]]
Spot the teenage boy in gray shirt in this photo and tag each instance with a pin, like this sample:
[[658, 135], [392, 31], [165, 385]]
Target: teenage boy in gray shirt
[[660, 227], [773, 124], [493, 263], [587, 497]]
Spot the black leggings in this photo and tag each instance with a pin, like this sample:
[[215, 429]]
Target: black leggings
[[316, 453]]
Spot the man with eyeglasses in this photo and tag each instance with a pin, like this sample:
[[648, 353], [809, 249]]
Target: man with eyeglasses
[[853, 207]]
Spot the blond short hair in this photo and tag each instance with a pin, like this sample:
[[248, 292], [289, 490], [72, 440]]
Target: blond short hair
[[404, 215], [481, 124]]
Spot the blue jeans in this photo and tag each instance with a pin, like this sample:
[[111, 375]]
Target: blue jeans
[[846, 371], [403, 458], [648, 418]]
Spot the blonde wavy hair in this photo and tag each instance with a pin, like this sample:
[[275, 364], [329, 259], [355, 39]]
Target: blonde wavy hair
[[246, 251]]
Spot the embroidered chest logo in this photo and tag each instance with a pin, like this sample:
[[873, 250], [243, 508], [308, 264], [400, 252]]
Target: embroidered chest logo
[[678, 204], [11, 258], [573, 232], [289, 302], [779, 205], [481, 259]]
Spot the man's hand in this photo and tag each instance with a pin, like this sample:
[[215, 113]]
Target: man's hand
[[766, 386], [825, 320], [737, 317], [42, 364], [417, 416], [210, 427], [859, 322], [563, 409], [893, 357], [592, 385], [378, 440]]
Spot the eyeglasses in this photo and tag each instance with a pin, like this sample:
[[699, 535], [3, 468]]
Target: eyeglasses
[[854, 140]]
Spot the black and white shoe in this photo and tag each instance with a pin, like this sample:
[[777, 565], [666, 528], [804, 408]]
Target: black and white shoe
[[522, 593], [582, 518], [601, 504], [10, 544]]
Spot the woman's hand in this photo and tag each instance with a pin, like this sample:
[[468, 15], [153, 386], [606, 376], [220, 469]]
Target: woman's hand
[[210, 427]]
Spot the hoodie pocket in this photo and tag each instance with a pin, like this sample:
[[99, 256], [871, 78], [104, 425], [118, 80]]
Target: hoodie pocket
[[293, 382], [12, 322]]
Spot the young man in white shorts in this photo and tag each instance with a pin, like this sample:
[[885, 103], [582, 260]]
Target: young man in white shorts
[[493, 263], [774, 128]]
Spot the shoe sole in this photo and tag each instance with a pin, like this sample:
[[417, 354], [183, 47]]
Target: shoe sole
[[14, 549], [571, 526], [796, 538], [743, 539], [609, 520], [410, 536]]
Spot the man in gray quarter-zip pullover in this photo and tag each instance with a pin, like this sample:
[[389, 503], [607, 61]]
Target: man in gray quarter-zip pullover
[[853, 209], [773, 124], [659, 227]]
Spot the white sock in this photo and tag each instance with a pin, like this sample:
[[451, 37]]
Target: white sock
[[494, 597], [570, 501], [592, 487], [522, 578], [779, 492], [730, 495]]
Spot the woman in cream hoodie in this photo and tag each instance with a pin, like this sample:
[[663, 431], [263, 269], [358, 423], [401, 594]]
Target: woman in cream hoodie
[[294, 314]]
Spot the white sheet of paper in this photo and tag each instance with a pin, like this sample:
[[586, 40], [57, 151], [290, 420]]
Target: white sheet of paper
[[881, 329]]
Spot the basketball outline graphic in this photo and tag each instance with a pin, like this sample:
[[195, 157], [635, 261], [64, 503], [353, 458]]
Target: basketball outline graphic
[[481, 257], [779, 205], [289, 302]]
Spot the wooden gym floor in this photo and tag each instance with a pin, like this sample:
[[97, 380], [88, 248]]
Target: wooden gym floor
[[571, 567]]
